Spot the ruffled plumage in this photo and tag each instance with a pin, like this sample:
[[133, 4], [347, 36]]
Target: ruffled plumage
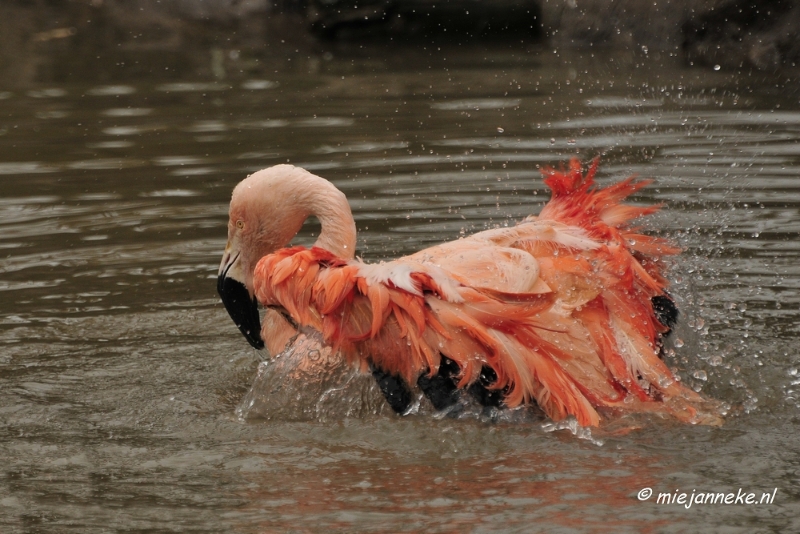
[[559, 306]]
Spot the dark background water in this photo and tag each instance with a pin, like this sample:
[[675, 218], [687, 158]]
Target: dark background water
[[120, 372]]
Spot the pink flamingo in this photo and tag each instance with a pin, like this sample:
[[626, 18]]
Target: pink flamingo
[[566, 309]]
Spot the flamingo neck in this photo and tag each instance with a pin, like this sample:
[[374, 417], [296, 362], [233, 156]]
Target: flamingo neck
[[338, 233]]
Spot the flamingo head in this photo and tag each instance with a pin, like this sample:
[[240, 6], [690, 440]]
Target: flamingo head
[[265, 214]]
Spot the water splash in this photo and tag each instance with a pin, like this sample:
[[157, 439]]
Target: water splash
[[307, 382], [571, 424]]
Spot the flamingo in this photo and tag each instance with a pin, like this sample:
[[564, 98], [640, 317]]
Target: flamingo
[[567, 309]]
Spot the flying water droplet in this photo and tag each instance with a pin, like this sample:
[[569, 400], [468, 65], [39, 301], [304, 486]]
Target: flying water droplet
[[700, 375]]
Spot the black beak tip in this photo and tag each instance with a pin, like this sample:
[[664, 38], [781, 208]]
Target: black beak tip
[[242, 309], [252, 337]]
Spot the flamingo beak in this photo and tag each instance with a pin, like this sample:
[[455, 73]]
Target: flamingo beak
[[241, 306]]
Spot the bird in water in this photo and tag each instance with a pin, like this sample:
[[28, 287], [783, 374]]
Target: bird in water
[[567, 309]]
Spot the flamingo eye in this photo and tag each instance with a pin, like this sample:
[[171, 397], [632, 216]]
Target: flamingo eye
[[240, 224]]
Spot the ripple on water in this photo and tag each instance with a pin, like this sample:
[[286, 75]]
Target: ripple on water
[[192, 87], [193, 171], [127, 112], [18, 202], [126, 130], [98, 196], [682, 118], [171, 193], [105, 164], [663, 141], [477, 104], [110, 144], [623, 102], [251, 124], [53, 92], [111, 90], [417, 161], [360, 147], [29, 284], [51, 114], [25, 167], [207, 126], [324, 122], [168, 161], [259, 85]]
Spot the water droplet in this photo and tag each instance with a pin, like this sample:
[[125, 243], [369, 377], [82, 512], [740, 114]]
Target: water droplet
[[717, 67], [700, 375], [500, 130], [679, 343], [664, 382]]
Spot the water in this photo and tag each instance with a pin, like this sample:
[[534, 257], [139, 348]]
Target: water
[[121, 374]]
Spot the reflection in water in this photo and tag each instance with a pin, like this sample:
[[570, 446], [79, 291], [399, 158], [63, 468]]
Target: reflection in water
[[440, 486], [120, 373]]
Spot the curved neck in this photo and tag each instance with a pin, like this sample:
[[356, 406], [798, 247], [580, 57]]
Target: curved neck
[[338, 233]]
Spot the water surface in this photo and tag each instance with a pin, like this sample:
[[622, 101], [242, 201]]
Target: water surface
[[120, 372]]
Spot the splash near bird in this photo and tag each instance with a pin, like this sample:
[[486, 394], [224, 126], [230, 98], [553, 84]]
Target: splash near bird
[[566, 309]]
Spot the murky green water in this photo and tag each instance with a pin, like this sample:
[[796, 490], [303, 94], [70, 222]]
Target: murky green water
[[120, 371]]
